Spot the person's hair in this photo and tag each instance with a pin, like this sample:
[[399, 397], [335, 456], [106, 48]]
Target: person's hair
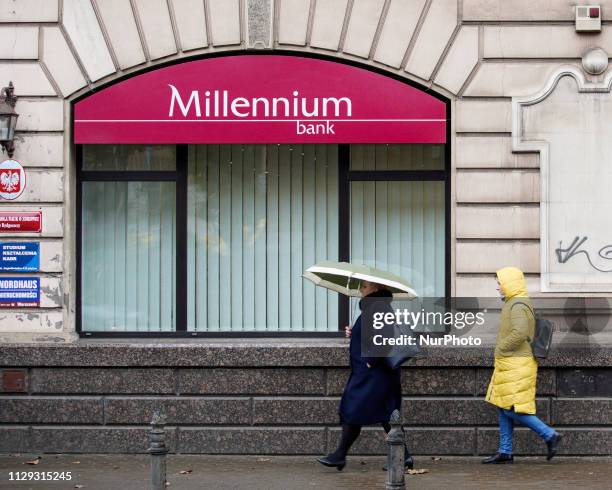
[[382, 287]]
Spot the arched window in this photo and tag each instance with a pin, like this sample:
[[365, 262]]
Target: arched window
[[206, 188]]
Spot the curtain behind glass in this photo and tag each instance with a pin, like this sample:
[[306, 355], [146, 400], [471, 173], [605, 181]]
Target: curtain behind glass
[[128, 256], [123, 158], [399, 227], [397, 157], [258, 215]]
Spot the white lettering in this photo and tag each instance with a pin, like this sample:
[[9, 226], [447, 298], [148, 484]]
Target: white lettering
[[220, 103], [184, 109], [275, 102], [311, 128], [237, 103], [266, 104], [336, 102]]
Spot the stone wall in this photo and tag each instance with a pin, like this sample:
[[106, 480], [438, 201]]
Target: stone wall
[[478, 53], [277, 398]]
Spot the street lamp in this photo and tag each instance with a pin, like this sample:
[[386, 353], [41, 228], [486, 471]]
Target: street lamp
[[8, 119]]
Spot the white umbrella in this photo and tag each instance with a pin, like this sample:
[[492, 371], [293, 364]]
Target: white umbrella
[[345, 278]]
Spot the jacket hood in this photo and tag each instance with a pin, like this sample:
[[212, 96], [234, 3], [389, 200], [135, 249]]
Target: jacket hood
[[512, 282]]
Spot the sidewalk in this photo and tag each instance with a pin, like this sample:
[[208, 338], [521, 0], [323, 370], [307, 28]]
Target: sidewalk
[[131, 472]]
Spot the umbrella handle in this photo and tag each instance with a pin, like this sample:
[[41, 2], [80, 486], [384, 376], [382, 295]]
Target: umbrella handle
[[348, 282], [354, 313], [353, 310]]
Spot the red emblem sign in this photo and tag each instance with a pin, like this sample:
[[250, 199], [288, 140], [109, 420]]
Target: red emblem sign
[[20, 221], [12, 179]]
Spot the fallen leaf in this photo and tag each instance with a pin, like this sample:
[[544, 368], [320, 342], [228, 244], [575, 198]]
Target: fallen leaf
[[75, 462], [436, 458], [34, 461], [417, 472], [79, 486], [185, 472], [362, 462], [263, 460]]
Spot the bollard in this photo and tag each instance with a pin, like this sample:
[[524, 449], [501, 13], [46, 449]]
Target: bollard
[[158, 450], [395, 455]]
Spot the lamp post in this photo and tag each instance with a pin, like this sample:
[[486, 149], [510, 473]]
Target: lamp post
[[8, 119]]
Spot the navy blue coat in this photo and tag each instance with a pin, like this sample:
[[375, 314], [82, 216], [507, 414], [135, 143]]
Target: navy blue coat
[[371, 394]]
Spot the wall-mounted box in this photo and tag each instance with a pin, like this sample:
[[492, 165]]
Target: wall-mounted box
[[588, 18]]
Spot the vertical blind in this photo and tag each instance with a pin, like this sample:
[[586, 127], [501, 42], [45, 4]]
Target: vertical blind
[[258, 215], [128, 256], [397, 157], [399, 227], [122, 158]]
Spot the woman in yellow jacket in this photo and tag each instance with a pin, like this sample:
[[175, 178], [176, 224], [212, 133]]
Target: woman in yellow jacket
[[513, 384]]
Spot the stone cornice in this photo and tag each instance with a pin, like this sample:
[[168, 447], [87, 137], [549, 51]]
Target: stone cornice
[[258, 353]]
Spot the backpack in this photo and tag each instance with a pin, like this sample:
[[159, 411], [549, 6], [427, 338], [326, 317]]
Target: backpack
[[542, 338]]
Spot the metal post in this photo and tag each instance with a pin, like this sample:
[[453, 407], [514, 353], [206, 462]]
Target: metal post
[[158, 451], [395, 454]]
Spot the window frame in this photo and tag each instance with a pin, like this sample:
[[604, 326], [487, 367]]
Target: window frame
[[179, 176], [345, 176], [344, 196]]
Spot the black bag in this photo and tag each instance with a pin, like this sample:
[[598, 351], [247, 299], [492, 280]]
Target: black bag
[[542, 338], [399, 354], [393, 356]]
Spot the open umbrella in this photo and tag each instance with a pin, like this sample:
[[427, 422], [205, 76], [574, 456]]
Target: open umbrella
[[344, 277]]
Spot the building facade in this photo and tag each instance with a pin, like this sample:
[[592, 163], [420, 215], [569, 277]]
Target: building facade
[[440, 139]]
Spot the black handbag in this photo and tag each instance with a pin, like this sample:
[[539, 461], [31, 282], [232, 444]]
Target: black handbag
[[399, 354], [392, 356]]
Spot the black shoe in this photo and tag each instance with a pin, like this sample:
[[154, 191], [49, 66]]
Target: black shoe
[[499, 458], [332, 462], [553, 445], [408, 463]]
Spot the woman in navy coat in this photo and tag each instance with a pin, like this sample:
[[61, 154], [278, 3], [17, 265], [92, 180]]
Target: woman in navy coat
[[373, 391]]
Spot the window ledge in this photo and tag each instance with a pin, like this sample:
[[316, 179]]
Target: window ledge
[[230, 353]]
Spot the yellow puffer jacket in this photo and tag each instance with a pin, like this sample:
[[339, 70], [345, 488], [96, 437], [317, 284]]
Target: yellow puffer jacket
[[513, 383]]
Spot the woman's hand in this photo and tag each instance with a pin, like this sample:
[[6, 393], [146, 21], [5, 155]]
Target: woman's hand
[[347, 331]]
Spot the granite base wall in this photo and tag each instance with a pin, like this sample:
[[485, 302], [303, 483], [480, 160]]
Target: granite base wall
[[212, 409]]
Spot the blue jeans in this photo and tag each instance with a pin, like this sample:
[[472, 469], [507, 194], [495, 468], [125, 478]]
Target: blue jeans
[[506, 428]]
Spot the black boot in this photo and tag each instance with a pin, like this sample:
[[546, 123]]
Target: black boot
[[553, 445], [408, 461], [499, 458], [337, 459], [332, 461]]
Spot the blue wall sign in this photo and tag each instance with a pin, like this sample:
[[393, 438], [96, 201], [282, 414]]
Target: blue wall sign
[[19, 292], [19, 256]]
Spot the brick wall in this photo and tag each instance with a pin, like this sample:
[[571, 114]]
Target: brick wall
[[240, 403]]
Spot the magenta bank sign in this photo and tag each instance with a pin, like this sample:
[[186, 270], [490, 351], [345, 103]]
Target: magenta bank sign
[[260, 99]]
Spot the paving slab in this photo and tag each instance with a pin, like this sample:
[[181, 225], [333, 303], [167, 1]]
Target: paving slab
[[131, 472]]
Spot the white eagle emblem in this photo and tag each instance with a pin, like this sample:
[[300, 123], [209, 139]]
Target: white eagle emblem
[[9, 181]]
